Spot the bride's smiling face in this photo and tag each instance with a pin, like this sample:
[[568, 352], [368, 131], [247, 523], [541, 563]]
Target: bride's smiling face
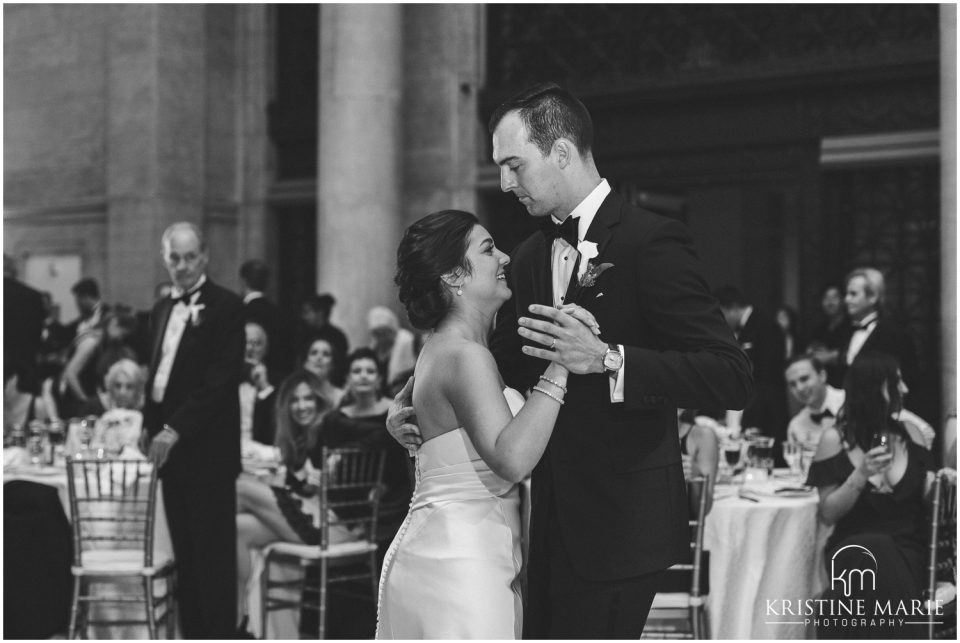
[[487, 280]]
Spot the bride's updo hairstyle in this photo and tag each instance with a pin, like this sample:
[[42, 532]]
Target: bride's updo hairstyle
[[433, 246]]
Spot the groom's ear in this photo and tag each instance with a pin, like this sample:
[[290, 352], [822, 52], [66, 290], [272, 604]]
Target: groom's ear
[[563, 148]]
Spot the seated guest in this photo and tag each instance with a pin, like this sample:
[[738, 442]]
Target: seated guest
[[363, 422], [95, 353], [395, 347], [874, 494], [317, 356], [19, 407], [807, 382], [289, 513], [118, 405], [315, 322], [699, 449], [122, 389], [256, 391]]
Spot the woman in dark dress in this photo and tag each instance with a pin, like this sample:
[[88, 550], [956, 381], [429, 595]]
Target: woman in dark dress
[[876, 496], [362, 422]]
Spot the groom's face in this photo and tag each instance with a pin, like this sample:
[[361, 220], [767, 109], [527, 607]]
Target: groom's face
[[524, 170]]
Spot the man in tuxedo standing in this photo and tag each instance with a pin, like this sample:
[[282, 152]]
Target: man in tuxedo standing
[[609, 505], [872, 330], [762, 340], [192, 415]]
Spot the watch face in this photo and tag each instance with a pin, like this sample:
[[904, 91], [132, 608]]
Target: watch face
[[612, 361]]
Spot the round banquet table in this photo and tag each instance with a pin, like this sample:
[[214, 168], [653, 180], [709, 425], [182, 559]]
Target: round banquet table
[[769, 550]]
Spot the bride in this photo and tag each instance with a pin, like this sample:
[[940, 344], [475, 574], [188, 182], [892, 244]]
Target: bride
[[452, 572]]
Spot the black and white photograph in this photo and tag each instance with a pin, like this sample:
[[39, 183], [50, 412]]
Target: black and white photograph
[[478, 320]]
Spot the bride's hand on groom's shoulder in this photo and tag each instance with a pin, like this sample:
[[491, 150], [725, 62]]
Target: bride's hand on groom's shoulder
[[402, 421]]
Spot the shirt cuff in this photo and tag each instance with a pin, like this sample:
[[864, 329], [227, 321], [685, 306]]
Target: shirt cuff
[[265, 393], [616, 384]]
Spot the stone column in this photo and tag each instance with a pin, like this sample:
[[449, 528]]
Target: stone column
[[442, 72], [255, 37], [948, 204], [359, 209], [154, 138]]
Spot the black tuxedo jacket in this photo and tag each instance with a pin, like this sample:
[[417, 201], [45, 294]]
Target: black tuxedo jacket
[[762, 340], [616, 472], [201, 401], [23, 315], [889, 337]]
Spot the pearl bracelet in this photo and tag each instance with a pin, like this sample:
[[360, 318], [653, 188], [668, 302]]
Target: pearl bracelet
[[548, 394], [554, 382]]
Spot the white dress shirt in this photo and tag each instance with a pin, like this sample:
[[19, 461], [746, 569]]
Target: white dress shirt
[[564, 257], [804, 430], [176, 324], [859, 338]]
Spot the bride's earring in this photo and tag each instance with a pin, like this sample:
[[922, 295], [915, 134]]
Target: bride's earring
[[459, 290]]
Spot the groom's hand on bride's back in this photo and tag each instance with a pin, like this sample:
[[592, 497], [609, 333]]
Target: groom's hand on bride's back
[[402, 421]]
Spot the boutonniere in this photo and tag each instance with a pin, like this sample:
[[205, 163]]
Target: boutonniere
[[196, 316], [196, 311], [591, 273], [588, 251]]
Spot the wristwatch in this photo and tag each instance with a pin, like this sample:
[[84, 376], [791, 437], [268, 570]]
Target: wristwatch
[[612, 359]]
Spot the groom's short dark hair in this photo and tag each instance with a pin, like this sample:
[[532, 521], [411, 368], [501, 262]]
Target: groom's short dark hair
[[549, 112]]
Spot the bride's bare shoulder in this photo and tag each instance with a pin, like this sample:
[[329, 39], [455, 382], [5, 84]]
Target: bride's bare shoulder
[[455, 356]]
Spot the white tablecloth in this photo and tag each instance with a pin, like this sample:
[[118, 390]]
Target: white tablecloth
[[771, 550], [162, 549]]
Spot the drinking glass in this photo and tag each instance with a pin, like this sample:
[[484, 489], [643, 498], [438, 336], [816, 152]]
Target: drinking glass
[[881, 439], [35, 440], [762, 456], [806, 459], [792, 452], [732, 449]]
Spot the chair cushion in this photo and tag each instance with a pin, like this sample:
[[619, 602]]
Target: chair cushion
[[312, 552], [118, 561]]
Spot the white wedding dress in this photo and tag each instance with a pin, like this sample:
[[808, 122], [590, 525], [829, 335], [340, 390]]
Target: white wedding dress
[[453, 569]]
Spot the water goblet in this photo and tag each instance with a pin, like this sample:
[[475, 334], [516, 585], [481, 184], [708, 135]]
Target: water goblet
[[791, 454]]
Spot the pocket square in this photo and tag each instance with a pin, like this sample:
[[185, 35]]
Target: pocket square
[[599, 295]]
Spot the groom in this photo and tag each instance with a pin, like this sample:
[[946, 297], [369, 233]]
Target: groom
[[609, 509]]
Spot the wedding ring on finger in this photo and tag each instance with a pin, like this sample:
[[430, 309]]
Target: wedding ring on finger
[[553, 343]]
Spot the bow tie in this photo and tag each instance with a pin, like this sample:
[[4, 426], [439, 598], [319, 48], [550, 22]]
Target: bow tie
[[566, 230], [184, 298], [818, 417]]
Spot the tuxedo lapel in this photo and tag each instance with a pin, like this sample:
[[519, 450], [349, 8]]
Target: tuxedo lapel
[[600, 233]]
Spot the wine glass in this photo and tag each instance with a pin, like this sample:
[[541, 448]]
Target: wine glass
[[881, 439], [732, 448], [792, 453]]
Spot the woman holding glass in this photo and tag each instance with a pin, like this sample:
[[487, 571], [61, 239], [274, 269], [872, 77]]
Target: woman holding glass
[[874, 478]]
